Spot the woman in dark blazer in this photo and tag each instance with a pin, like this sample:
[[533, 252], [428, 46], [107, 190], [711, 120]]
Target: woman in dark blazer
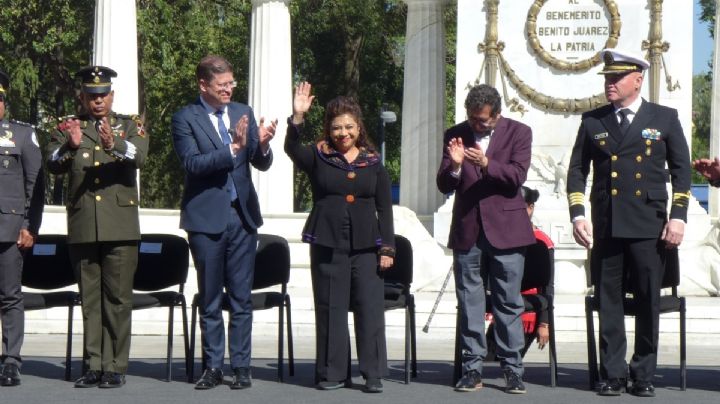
[[350, 231]]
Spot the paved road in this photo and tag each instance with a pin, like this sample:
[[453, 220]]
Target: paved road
[[42, 383]]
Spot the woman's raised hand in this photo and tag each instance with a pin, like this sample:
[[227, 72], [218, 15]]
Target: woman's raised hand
[[302, 101]]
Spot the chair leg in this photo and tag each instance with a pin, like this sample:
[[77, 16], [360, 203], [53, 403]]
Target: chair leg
[[291, 357], [191, 350], [349, 361], [683, 353], [281, 343], [413, 339], [68, 347], [592, 355], [188, 362], [407, 345], [457, 364], [168, 364], [553, 352]]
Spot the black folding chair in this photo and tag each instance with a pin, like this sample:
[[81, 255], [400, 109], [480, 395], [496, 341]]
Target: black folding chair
[[397, 296], [539, 273], [671, 303], [272, 268], [163, 263], [47, 267]]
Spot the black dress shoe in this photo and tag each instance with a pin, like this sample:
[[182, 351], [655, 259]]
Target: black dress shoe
[[612, 387], [373, 385], [241, 379], [10, 375], [111, 380], [89, 379], [210, 378], [642, 389]]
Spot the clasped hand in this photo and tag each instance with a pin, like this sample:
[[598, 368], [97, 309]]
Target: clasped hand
[[458, 153], [265, 133]]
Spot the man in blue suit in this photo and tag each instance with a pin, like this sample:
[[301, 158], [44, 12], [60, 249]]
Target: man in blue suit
[[221, 213]]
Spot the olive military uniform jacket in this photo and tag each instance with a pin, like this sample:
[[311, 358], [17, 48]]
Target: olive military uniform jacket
[[629, 196], [102, 194], [21, 181]]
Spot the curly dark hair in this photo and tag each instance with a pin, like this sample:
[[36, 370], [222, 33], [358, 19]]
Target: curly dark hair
[[529, 195], [346, 105], [482, 95]]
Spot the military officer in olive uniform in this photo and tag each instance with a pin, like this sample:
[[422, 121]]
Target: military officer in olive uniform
[[101, 152], [629, 142], [21, 205]]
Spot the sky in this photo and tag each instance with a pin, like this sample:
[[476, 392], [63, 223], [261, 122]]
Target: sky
[[702, 43]]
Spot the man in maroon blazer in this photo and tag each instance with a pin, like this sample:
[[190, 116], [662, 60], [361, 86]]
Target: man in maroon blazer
[[485, 162]]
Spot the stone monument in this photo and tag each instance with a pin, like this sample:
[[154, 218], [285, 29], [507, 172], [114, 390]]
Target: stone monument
[[545, 66]]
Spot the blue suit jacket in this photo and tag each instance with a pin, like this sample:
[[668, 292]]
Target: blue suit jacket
[[207, 161]]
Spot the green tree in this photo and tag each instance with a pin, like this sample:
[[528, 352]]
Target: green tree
[[352, 48], [45, 43], [173, 35], [702, 97], [701, 105], [707, 14]]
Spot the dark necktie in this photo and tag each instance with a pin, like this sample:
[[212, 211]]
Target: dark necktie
[[226, 140], [224, 135], [624, 121]]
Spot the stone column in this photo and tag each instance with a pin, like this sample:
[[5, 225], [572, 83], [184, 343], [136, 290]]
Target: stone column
[[423, 117], [115, 46], [270, 96], [714, 197]]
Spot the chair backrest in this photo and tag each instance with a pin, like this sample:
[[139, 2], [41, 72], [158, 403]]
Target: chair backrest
[[539, 262], [272, 261], [163, 261], [402, 270], [671, 276], [47, 265]]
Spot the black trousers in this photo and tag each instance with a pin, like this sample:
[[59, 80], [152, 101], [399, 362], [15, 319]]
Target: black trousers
[[12, 310], [343, 279], [619, 265]]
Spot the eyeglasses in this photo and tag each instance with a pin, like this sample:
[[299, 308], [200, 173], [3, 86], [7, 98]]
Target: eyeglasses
[[226, 86], [489, 123]]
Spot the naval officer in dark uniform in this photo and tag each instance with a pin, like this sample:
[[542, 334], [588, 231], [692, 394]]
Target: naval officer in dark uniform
[[101, 152], [629, 142], [21, 205]]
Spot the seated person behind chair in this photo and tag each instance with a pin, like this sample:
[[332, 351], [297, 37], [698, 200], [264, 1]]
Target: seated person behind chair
[[535, 325]]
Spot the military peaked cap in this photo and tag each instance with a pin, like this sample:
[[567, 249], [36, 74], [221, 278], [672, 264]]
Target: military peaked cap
[[622, 62], [96, 79]]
